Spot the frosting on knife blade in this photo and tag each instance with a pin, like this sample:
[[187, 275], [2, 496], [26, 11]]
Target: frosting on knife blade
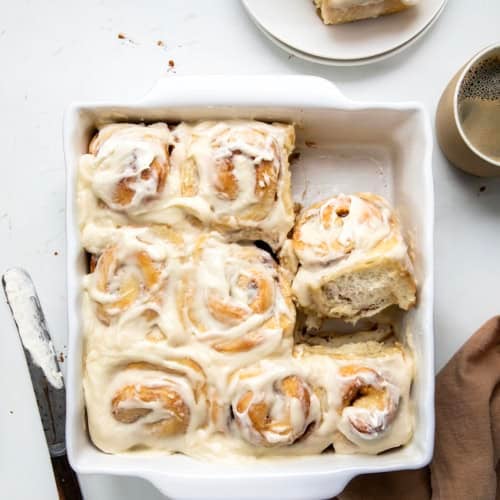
[[28, 315]]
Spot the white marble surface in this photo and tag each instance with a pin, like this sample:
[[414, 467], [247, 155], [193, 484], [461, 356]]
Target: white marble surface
[[52, 53]]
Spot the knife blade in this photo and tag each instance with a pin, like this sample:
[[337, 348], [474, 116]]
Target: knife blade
[[46, 376]]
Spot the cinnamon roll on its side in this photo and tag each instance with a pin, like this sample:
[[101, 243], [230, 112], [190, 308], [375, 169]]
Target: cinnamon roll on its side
[[128, 165], [353, 260], [346, 11], [240, 170]]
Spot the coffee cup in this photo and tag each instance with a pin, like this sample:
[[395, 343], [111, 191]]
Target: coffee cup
[[468, 115]]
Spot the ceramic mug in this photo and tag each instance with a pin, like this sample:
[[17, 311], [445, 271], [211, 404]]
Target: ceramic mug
[[454, 143]]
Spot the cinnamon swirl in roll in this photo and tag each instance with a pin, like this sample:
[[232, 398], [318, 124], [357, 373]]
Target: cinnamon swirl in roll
[[235, 299], [353, 260], [127, 276], [143, 404], [126, 291], [128, 165], [346, 11], [370, 393], [273, 405], [235, 175]]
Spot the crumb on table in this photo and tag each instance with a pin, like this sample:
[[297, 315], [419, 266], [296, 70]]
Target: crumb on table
[[126, 38]]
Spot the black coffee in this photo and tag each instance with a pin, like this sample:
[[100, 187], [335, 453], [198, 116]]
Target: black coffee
[[479, 107]]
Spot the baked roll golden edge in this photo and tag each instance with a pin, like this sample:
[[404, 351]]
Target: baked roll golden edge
[[346, 11]]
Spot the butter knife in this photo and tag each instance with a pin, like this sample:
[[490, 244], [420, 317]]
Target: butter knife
[[46, 376]]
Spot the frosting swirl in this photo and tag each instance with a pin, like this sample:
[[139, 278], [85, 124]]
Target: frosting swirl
[[235, 299], [129, 164], [273, 405], [332, 229], [369, 402]]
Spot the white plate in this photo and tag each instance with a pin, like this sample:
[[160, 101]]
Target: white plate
[[296, 24], [350, 62], [351, 152]]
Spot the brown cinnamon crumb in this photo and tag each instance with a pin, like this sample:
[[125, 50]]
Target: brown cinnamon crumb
[[310, 144], [295, 156], [160, 43], [121, 36], [171, 63], [342, 212], [56, 253], [61, 357], [93, 262]]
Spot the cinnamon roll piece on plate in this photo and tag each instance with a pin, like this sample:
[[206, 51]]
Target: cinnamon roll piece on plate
[[346, 11]]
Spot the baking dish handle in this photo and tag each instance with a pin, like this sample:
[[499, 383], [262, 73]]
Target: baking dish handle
[[245, 91], [282, 487]]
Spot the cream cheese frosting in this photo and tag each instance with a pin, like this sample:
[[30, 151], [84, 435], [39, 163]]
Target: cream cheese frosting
[[218, 426], [188, 337], [231, 175], [346, 4], [388, 369], [126, 155], [148, 352]]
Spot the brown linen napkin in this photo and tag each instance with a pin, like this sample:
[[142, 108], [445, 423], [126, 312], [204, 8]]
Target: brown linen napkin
[[467, 450]]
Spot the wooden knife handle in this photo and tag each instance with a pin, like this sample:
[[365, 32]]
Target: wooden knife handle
[[66, 480]]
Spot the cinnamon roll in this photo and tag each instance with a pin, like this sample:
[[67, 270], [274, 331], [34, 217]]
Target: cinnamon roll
[[369, 401], [129, 164], [235, 299], [126, 293], [353, 260], [370, 393], [239, 171], [346, 11], [143, 404], [273, 405], [122, 280]]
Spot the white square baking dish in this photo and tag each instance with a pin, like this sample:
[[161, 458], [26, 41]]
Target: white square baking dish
[[344, 146]]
